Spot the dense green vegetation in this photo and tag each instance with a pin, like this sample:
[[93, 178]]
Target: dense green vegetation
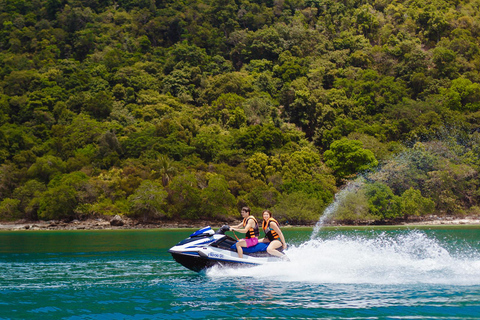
[[192, 109]]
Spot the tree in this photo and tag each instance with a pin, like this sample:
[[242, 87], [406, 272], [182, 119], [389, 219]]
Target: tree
[[184, 197], [353, 207], [149, 200], [260, 196], [217, 201], [46, 167], [260, 166], [64, 194], [382, 203], [165, 168], [301, 165], [445, 62], [9, 209], [28, 195], [81, 132], [210, 141], [414, 204], [58, 202], [298, 208], [261, 138], [463, 95], [347, 158]]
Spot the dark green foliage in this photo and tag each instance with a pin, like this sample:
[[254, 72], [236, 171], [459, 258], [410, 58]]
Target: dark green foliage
[[226, 103], [382, 203], [348, 157], [63, 195], [185, 197], [149, 200], [262, 138]]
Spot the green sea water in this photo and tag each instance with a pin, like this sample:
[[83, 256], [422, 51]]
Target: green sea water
[[339, 273]]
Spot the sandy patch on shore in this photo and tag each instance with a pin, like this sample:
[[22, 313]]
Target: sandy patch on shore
[[453, 221]]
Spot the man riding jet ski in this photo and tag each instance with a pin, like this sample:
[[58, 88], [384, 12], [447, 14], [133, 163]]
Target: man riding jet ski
[[205, 248]]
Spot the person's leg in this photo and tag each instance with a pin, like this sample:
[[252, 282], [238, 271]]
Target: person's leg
[[239, 245], [272, 248]]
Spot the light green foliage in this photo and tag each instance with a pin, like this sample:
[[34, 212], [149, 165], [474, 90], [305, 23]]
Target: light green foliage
[[210, 141], [137, 78], [228, 111], [353, 208], [260, 110], [58, 202], [9, 209], [14, 139], [111, 183], [234, 82], [444, 60], [301, 165], [260, 166], [449, 185], [414, 204], [289, 67], [108, 207], [347, 158], [81, 132], [320, 186], [298, 208], [463, 95], [260, 196], [431, 169]]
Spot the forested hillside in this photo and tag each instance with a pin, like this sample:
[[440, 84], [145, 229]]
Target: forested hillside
[[191, 109]]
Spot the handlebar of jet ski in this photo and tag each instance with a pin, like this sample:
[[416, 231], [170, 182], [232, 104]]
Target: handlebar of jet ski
[[223, 229]]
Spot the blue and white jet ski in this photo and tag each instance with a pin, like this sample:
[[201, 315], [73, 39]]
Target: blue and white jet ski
[[205, 248]]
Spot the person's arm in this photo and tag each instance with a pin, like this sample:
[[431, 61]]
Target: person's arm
[[250, 224], [236, 226], [280, 233]]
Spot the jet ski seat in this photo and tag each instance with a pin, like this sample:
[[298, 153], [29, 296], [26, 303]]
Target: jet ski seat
[[256, 248]]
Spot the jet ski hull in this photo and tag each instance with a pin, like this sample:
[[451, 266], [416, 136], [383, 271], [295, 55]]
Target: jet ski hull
[[192, 262], [197, 263], [205, 249]]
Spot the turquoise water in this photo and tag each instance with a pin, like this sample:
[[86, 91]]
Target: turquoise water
[[345, 273]]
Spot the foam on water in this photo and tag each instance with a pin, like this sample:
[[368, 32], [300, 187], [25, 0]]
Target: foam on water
[[384, 259]]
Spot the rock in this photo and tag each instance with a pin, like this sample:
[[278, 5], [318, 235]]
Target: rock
[[117, 221]]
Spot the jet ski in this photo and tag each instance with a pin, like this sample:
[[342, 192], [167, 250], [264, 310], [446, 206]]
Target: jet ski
[[205, 248]]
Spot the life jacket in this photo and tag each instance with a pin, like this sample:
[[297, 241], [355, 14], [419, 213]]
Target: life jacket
[[252, 232], [269, 232]]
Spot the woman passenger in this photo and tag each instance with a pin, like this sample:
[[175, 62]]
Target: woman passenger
[[273, 235]]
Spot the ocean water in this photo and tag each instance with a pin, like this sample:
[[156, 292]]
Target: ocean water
[[338, 273]]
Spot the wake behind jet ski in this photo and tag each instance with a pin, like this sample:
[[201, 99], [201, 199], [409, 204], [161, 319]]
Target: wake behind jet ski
[[205, 248]]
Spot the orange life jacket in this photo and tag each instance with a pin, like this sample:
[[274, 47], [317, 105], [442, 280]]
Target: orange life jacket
[[269, 232], [252, 232]]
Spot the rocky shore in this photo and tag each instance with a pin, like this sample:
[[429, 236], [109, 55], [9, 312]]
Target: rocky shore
[[104, 223], [118, 222]]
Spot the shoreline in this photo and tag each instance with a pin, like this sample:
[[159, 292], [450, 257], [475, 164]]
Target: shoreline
[[119, 223]]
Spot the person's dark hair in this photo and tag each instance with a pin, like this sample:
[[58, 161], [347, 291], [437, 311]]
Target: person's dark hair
[[269, 212], [247, 209]]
